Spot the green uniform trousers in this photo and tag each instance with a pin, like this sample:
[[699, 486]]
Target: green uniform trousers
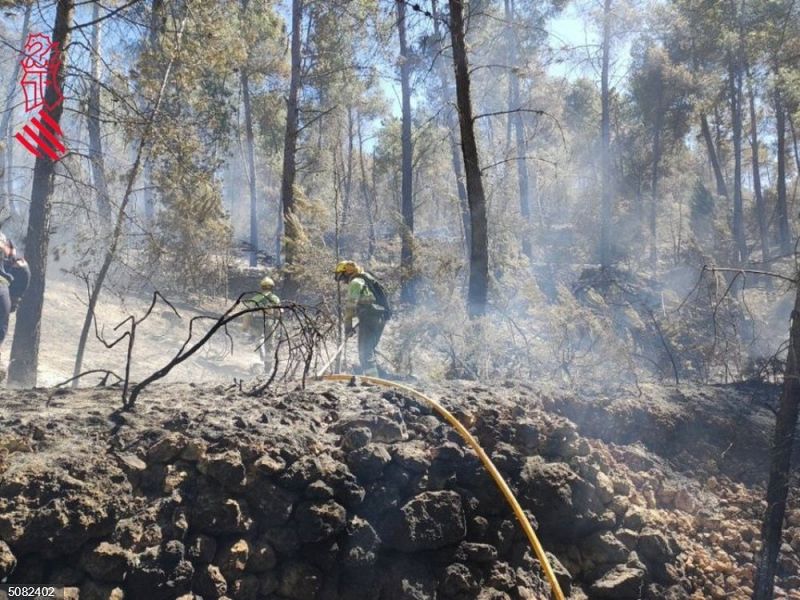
[[370, 329]]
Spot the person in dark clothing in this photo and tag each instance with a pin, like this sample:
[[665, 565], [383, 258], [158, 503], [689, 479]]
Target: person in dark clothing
[[14, 278]]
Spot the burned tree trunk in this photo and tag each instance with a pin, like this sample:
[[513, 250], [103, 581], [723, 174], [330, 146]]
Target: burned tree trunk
[[93, 126], [479, 250], [450, 125], [515, 117], [605, 137], [251, 165], [784, 232], [292, 233], [25, 348], [654, 185], [735, 99], [722, 189], [407, 200], [782, 446], [761, 209]]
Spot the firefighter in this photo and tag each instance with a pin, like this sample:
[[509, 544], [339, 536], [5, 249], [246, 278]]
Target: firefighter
[[366, 301], [262, 326], [14, 278]]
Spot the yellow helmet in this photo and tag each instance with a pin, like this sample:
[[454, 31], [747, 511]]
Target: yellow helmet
[[267, 283], [346, 268]]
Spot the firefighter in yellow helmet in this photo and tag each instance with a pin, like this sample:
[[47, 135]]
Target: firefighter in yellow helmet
[[366, 301], [261, 326]]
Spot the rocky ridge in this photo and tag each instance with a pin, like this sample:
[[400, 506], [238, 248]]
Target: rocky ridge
[[357, 492]]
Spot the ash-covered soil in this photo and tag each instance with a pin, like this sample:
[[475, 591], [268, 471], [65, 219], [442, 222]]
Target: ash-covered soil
[[358, 492]]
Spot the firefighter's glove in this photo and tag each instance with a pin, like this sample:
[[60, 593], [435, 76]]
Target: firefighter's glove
[[14, 304], [349, 331]]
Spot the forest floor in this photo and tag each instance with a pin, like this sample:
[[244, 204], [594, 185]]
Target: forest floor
[[354, 492], [158, 338]]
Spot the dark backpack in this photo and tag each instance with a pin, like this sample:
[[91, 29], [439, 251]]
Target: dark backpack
[[377, 290]]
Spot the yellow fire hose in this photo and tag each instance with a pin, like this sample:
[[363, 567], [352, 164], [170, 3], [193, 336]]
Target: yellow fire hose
[[487, 463]]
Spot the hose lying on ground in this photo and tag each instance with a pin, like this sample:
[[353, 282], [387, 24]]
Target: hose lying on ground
[[487, 463]]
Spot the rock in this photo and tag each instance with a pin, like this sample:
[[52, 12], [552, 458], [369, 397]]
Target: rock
[[262, 557], [526, 434], [167, 448], [502, 576], [354, 438], [268, 583], [473, 552], [210, 583], [269, 502], [301, 473], [246, 588], [383, 428], [215, 515], [232, 559], [106, 563], [147, 580], [653, 546], [492, 594], [361, 544], [604, 487], [269, 465], [226, 468], [367, 463], [458, 579], [319, 490], [621, 583], [635, 518], [603, 548], [408, 580], [8, 561], [685, 501], [283, 539], [412, 457], [428, 521], [316, 522], [202, 548], [92, 590], [194, 450], [299, 581]]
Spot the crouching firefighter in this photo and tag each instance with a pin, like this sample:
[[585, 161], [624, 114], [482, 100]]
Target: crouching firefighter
[[14, 278], [366, 301], [261, 326]]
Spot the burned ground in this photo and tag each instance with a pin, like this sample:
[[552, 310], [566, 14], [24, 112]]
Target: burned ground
[[348, 492]]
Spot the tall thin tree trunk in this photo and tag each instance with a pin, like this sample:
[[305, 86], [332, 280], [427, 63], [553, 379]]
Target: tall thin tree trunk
[[794, 142], [94, 128], [479, 250], [156, 27], [407, 293], [251, 162], [515, 117], [654, 184], [761, 208], [24, 362], [735, 91], [116, 234], [292, 232], [784, 231], [365, 192], [7, 153], [348, 176], [780, 464], [605, 137], [722, 189], [451, 125]]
